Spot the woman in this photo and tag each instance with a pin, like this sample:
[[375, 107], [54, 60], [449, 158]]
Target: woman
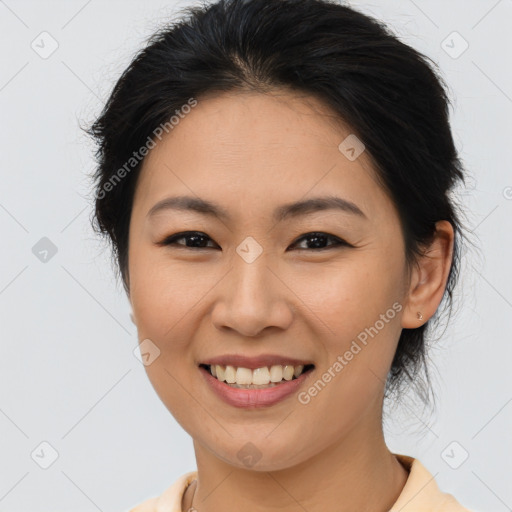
[[275, 179]]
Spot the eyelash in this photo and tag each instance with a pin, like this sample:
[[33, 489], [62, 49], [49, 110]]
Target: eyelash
[[171, 240]]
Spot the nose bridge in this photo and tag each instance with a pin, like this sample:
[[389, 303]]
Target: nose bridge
[[251, 277], [252, 297]]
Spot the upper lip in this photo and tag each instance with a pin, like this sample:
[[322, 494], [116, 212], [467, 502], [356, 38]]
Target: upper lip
[[254, 362]]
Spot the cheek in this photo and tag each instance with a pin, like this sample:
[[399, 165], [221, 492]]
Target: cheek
[[361, 308], [360, 304], [353, 295], [163, 293], [161, 298]]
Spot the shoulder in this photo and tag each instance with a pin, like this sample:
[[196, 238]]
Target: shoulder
[[146, 506], [421, 492], [170, 499], [450, 504]]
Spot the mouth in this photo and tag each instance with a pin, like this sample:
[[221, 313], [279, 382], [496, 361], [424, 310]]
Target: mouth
[[257, 378]]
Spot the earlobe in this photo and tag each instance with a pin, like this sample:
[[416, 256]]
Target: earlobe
[[429, 278]]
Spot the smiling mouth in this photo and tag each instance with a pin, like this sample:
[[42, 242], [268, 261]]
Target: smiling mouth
[[264, 377]]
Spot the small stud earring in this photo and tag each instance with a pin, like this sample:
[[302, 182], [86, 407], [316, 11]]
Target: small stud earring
[[420, 316]]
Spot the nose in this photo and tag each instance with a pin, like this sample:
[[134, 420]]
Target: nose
[[252, 297]]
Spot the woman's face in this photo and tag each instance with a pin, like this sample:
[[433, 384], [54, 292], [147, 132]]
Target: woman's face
[[253, 284]]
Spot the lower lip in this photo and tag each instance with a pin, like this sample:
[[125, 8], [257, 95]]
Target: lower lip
[[253, 398]]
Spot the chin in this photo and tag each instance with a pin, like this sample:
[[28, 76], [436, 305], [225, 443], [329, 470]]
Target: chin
[[259, 454]]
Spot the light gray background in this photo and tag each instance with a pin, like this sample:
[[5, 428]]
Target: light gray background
[[68, 373]]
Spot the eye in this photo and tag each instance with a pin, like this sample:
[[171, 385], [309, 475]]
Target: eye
[[318, 241], [196, 237]]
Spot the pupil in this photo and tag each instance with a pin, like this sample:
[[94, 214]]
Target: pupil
[[316, 239], [196, 239]]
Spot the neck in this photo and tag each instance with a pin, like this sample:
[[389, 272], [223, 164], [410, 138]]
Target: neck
[[357, 473]]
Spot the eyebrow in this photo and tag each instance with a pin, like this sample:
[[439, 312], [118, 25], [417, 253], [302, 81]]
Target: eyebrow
[[290, 210]]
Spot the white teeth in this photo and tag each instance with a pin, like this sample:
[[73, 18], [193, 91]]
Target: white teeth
[[230, 375], [288, 372], [220, 372], [259, 376], [243, 376], [264, 376], [276, 373]]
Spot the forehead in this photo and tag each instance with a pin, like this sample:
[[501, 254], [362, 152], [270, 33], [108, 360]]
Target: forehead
[[249, 149]]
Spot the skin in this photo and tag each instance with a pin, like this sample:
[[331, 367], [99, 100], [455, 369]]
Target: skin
[[250, 153]]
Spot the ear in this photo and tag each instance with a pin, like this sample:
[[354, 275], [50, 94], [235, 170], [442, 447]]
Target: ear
[[429, 277]]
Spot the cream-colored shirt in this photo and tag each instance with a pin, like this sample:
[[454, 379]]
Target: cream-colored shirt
[[420, 494]]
